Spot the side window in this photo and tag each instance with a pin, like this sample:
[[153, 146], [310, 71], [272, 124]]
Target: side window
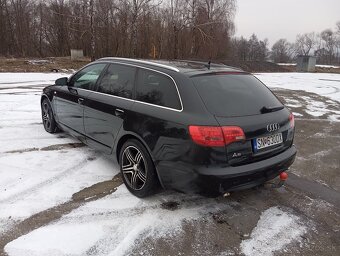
[[87, 77], [158, 89], [118, 80]]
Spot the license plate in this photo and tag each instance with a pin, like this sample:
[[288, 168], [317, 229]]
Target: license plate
[[265, 142]]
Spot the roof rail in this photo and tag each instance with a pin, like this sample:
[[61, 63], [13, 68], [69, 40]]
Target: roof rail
[[215, 65], [202, 63], [142, 61]]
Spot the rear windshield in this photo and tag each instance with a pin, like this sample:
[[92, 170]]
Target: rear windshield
[[234, 94]]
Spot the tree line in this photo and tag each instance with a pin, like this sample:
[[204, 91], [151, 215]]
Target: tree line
[[162, 29], [324, 45], [130, 28]]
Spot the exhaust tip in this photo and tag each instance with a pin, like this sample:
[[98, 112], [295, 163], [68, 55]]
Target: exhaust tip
[[226, 194]]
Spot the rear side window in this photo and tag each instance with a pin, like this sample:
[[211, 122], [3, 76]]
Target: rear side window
[[234, 94], [158, 89], [118, 80]]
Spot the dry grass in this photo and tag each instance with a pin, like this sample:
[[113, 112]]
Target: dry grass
[[292, 68], [65, 64], [62, 64]]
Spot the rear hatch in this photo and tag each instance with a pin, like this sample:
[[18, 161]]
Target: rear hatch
[[240, 99]]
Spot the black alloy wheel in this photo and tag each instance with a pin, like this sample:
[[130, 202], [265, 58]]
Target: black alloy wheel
[[47, 117], [137, 169]]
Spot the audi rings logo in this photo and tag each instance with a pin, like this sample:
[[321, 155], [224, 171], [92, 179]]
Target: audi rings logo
[[273, 127]]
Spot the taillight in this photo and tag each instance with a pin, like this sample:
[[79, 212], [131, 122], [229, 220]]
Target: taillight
[[291, 120], [232, 134], [216, 136], [209, 136]]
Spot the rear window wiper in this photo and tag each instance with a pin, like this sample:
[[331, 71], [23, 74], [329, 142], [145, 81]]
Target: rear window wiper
[[270, 109]]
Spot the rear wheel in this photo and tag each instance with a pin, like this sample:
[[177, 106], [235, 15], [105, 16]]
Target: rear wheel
[[137, 169], [47, 116]]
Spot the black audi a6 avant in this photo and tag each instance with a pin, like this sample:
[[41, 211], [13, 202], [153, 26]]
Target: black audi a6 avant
[[189, 126]]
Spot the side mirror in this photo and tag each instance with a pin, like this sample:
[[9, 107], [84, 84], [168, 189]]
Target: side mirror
[[61, 81]]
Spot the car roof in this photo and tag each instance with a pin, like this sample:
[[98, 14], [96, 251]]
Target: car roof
[[187, 67]]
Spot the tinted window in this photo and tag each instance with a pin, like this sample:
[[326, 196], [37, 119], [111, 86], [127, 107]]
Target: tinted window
[[87, 77], [118, 80], [234, 95], [157, 89]]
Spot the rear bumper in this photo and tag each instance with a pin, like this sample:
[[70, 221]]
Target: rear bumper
[[213, 180]]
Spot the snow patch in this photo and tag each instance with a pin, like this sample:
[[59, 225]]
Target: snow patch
[[10, 80], [66, 239], [297, 114], [121, 222], [316, 108], [318, 65], [334, 118], [274, 231], [293, 103], [324, 84], [34, 180], [327, 66]]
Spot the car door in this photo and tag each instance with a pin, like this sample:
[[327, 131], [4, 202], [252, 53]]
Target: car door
[[106, 109], [69, 99]]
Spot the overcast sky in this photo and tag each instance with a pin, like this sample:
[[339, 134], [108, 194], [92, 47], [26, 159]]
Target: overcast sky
[[275, 19]]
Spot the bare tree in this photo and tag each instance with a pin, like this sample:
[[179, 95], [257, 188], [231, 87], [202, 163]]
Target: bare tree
[[338, 42], [136, 8], [92, 30], [329, 40], [252, 49], [304, 43], [282, 51], [338, 27], [131, 28]]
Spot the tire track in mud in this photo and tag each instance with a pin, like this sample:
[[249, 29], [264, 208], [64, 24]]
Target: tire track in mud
[[28, 86], [27, 82], [102, 189], [186, 202], [110, 243], [47, 182], [27, 92], [314, 189], [47, 216], [48, 148], [30, 138], [92, 193], [27, 125], [15, 104], [321, 217]]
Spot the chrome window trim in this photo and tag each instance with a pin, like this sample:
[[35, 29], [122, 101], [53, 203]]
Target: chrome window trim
[[142, 102], [141, 61]]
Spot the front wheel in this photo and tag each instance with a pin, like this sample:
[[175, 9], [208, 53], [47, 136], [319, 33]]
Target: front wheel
[[137, 169], [47, 116]]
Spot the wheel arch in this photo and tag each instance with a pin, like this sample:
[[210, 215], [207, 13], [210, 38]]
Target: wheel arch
[[124, 138], [44, 96], [127, 137]]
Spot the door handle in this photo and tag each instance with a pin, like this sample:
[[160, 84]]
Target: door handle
[[72, 90], [80, 101], [119, 112]]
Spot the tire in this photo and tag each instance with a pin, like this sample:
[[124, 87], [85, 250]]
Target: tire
[[47, 116], [137, 169]]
